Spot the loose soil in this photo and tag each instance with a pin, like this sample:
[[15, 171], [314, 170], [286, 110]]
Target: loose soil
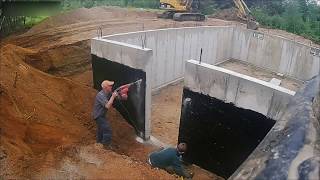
[[46, 98], [165, 114]]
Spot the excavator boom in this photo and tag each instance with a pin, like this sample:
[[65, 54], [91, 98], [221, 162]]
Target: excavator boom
[[244, 13]]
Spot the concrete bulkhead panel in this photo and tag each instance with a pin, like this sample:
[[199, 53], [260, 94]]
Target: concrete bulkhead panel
[[243, 91], [132, 109]]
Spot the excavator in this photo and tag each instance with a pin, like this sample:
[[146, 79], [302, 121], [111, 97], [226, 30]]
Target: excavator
[[187, 10], [181, 10], [244, 13]]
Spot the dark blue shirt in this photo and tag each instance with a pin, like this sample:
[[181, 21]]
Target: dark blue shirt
[[168, 157], [99, 108]]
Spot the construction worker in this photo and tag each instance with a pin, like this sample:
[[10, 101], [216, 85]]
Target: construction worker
[[103, 102], [170, 159]]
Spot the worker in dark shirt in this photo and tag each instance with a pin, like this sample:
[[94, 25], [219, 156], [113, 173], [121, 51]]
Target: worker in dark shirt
[[103, 102], [170, 159]]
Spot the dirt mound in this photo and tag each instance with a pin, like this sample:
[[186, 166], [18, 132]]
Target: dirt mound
[[41, 114], [92, 14]]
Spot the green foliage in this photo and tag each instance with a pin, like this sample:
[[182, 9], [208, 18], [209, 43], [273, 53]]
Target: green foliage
[[31, 21], [144, 3], [301, 17], [207, 7], [72, 4]]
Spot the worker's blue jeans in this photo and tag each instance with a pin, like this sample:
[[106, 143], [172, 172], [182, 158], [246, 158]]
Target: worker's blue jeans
[[104, 132]]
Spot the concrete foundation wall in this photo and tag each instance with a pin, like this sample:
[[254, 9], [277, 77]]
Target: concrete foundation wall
[[132, 56], [171, 47], [231, 87], [162, 55], [274, 53]]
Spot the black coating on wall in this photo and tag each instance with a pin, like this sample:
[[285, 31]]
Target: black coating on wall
[[133, 109], [220, 136]]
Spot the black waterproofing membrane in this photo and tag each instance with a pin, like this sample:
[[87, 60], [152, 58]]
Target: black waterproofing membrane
[[220, 136]]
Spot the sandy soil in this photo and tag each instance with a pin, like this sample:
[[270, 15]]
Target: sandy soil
[[46, 98], [42, 116], [165, 114]]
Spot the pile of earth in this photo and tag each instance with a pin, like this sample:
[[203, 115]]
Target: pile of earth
[[46, 128]]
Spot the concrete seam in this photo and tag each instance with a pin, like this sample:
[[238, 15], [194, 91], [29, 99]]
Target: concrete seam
[[155, 59], [166, 74], [199, 45], [183, 58], [174, 56], [271, 102], [235, 97], [226, 87], [198, 77], [288, 64]]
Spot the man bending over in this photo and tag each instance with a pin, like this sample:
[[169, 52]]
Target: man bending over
[[170, 159]]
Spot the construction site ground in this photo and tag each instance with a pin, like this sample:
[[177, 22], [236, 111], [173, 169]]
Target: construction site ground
[[259, 73], [46, 99]]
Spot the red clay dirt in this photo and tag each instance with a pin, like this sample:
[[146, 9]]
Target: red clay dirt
[[45, 119], [43, 116]]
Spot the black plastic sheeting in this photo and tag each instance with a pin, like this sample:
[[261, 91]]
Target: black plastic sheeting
[[299, 117], [220, 136], [133, 109]]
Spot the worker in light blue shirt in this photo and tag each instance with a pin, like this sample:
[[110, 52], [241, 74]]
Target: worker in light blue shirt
[[170, 159]]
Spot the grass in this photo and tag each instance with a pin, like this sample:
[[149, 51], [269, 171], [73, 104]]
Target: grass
[[31, 21]]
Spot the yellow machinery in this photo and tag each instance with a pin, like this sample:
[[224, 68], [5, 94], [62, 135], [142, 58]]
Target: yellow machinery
[[181, 10], [173, 5], [186, 10], [244, 13]]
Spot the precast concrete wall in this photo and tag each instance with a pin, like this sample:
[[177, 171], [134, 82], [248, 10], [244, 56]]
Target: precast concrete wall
[[174, 45], [171, 47], [123, 61], [275, 53], [162, 55], [241, 90]]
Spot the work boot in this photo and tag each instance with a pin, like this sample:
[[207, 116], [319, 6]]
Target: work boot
[[98, 145]]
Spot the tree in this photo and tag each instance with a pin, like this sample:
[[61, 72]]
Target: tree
[[293, 17]]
